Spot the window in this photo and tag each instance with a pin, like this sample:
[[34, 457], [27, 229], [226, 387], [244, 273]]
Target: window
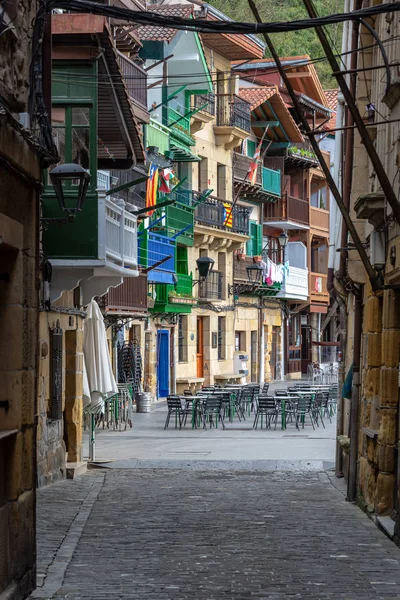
[[182, 338], [71, 133], [222, 270], [254, 245], [221, 338], [294, 331], [319, 196], [202, 175], [273, 250], [221, 182], [240, 341]]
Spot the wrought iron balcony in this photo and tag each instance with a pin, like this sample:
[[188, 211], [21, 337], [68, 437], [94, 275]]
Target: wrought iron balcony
[[204, 101], [212, 287], [233, 111], [302, 155], [218, 213]]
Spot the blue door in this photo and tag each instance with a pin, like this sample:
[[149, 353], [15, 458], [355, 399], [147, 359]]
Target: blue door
[[162, 363]]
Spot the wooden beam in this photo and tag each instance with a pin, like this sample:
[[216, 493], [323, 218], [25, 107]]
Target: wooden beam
[[298, 75], [265, 123], [159, 62]]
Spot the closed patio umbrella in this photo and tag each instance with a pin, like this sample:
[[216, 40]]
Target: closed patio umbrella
[[98, 377]]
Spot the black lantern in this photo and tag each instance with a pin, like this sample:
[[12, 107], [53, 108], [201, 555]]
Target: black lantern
[[204, 265], [283, 239], [254, 273], [70, 172]]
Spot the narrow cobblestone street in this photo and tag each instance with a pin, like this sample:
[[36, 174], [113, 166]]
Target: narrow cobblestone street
[[177, 534]]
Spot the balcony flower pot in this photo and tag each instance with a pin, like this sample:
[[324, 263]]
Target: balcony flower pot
[[257, 259], [180, 300], [241, 256]]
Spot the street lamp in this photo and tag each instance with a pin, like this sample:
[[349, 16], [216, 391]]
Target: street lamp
[[70, 172], [204, 265], [254, 273], [283, 239]]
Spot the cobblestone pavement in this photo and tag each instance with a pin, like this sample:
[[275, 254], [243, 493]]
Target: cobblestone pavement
[[159, 534]]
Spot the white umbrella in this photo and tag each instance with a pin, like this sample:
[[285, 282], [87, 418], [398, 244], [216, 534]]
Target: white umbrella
[[98, 377]]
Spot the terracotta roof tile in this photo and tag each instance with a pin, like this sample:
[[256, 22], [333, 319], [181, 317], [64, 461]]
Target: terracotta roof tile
[[163, 34], [332, 99], [257, 95]]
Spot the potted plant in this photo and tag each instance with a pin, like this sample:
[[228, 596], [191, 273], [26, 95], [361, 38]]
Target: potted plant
[[241, 254], [257, 259]]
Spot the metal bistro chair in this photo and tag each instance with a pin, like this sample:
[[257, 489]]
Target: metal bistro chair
[[212, 408], [174, 406], [266, 406], [304, 407], [318, 410], [265, 389], [332, 399], [247, 398]]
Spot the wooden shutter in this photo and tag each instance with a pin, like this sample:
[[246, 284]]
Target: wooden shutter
[[254, 245], [251, 148], [56, 339]]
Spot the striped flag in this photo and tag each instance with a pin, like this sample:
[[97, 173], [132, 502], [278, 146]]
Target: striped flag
[[227, 214], [152, 186], [252, 172]]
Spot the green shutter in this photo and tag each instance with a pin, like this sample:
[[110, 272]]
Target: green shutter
[[254, 245], [181, 260], [251, 148]]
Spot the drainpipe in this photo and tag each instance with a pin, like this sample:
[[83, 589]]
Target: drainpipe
[[173, 361], [355, 400], [261, 341]]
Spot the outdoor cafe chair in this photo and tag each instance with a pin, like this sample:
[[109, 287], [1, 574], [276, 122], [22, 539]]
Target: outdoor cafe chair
[[318, 409], [265, 389], [266, 407], [187, 393], [281, 392], [247, 399], [174, 405], [304, 407], [212, 409]]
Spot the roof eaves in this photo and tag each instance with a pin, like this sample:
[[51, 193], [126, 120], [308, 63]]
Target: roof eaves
[[221, 16]]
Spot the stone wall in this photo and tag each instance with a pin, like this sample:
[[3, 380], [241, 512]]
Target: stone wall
[[19, 213], [60, 440]]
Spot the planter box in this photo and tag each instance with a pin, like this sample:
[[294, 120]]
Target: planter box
[[178, 300]]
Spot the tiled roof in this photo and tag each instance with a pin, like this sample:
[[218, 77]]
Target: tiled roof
[[257, 95], [163, 34], [332, 99]]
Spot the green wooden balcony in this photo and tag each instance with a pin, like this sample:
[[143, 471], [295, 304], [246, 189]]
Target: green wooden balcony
[[157, 135], [176, 219], [175, 299], [271, 181], [182, 122]]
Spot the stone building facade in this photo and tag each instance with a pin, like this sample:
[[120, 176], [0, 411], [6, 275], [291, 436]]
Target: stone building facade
[[370, 418], [20, 175]]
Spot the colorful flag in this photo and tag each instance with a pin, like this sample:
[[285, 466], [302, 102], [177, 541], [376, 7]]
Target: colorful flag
[[166, 178], [151, 188], [227, 214], [252, 172]]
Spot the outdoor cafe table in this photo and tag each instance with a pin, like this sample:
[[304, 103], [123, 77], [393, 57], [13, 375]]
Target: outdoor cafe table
[[292, 396]]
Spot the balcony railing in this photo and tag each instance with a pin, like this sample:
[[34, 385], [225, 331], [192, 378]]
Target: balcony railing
[[212, 287], [204, 101], [295, 284], [271, 181], [288, 208], [241, 168], [319, 218], [154, 248], [240, 268], [157, 135], [129, 297], [120, 234], [233, 111], [135, 78], [178, 119], [177, 218], [217, 213], [302, 153]]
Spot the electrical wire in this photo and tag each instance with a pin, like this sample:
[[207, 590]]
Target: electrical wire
[[224, 27]]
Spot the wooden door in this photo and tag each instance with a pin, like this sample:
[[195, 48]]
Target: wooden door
[[200, 347]]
